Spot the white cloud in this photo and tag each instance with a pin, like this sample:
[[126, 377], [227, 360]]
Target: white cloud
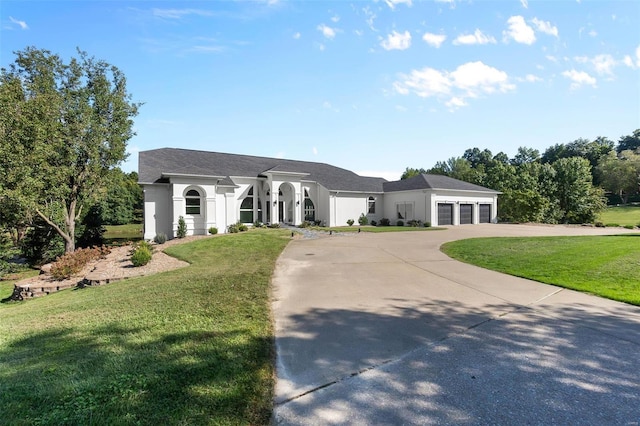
[[545, 27], [519, 31], [524, 4], [22, 24], [629, 61], [179, 13], [530, 78], [371, 17], [335, 18], [314, 150], [397, 41], [593, 33], [469, 80], [455, 103], [478, 37], [327, 31], [604, 64], [279, 154], [434, 40], [392, 3], [579, 78], [297, 36]]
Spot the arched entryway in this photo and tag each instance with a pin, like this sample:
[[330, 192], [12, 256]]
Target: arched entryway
[[286, 203]]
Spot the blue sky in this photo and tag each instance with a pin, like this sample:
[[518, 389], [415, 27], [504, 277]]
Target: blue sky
[[373, 87]]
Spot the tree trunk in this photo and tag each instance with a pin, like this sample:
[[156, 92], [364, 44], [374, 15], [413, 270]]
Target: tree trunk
[[68, 237]]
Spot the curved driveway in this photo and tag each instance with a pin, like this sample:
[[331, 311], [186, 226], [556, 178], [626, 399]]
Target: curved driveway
[[385, 329]]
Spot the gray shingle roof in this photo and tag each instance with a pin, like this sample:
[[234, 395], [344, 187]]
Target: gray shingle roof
[[154, 163], [426, 181]]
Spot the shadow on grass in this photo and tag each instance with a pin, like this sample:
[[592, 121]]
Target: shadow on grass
[[120, 375], [448, 363]]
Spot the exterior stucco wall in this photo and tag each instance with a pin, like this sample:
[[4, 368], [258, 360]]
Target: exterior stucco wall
[[417, 199], [347, 206], [157, 211]]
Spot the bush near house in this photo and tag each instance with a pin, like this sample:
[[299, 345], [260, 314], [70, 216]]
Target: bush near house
[[141, 255], [213, 230], [385, 222], [161, 238], [350, 222], [362, 220], [400, 223]]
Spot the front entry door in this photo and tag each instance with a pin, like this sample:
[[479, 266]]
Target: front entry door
[[281, 217]]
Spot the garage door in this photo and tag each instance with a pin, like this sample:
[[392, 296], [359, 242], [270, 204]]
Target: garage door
[[466, 214], [485, 213], [445, 214]]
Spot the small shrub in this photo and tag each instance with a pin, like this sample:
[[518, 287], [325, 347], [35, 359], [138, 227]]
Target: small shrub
[[233, 229], [182, 228], [612, 225], [242, 227], [141, 256], [415, 223], [160, 238], [258, 224], [363, 220], [427, 224], [400, 223], [70, 264], [305, 224], [350, 222], [374, 223], [317, 222], [213, 230], [274, 225], [628, 226], [599, 225], [385, 222]]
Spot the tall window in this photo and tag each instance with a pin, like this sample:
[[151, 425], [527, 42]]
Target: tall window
[[193, 202], [405, 211], [309, 208], [246, 208], [371, 206]]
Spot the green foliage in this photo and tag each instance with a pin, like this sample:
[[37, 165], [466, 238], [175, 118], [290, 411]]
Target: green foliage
[[350, 222], [91, 230], [427, 224], [620, 174], [64, 126], [161, 237], [410, 172], [123, 198], [213, 230], [579, 201], [41, 244], [374, 223], [414, 223], [72, 263], [242, 227], [274, 226], [400, 223], [363, 220], [385, 222], [182, 228], [141, 256], [305, 224], [233, 229], [629, 142]]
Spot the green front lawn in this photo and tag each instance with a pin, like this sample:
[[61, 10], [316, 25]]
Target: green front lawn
[[191, 346], [607, 266], [621, 215]]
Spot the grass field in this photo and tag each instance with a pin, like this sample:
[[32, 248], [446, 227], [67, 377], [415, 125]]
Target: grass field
[[191, 346], [607, 266], [621, 215], [123, 233]]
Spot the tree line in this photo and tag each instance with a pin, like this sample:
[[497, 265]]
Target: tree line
[[568, 183]]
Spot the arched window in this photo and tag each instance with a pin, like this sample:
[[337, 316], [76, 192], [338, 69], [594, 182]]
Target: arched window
[[246, 208], [309, 208], [371, 206], [193, 201]]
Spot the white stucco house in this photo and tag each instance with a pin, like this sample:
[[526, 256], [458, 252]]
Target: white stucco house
[[212, 189]]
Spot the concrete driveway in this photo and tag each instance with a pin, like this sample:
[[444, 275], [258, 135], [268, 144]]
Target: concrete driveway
[[385, 329]]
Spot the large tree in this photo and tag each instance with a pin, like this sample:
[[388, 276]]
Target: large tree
[[63, 126], [620, 174], [629, 142]]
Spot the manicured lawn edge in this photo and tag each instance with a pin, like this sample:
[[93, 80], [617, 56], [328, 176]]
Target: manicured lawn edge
[[605, 266]]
